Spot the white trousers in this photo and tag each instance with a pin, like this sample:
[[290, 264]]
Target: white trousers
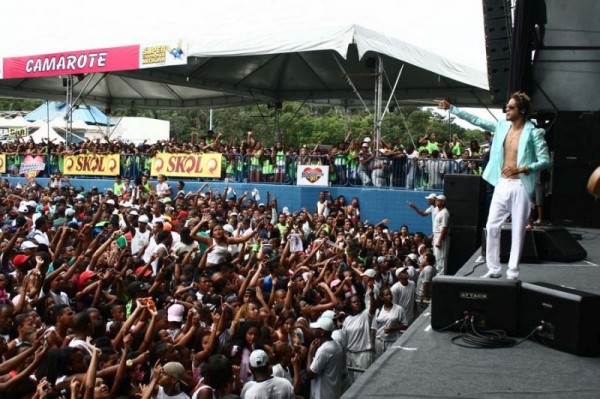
[[510, 199], [441, 254], [361, 360]]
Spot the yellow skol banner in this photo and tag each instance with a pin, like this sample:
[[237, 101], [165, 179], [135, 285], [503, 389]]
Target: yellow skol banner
[[2, 163], [187, 165], [18, 132], [92, 165]]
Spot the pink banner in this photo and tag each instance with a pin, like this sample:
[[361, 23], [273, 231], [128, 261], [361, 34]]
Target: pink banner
[[72, 62]]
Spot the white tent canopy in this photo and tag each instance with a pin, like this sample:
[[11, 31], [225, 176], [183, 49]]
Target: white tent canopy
[[62, 124], [17, 121], [307, 52], [46, 133]]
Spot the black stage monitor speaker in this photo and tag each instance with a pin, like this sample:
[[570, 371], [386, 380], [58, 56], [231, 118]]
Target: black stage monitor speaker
[[465, 199], [492, 303], [529, 254], [464, 242], [569, 318], [557, 244]]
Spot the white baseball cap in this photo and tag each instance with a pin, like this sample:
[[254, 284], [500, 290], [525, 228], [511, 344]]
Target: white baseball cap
[[324, 324], [329, 314], [259, 358], [369, 273], [28, 245]]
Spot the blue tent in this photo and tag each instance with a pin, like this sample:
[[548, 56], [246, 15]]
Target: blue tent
[[88, 114]]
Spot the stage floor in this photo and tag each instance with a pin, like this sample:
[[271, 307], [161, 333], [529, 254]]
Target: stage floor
[[425, 364]]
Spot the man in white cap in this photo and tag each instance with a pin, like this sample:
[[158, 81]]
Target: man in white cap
[[431, 210], [326, 364], [411, 262], [264, 384], [140, 235], [441, 240], [404, 293]]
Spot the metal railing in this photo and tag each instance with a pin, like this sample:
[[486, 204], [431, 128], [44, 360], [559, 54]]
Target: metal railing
[[402, 172]]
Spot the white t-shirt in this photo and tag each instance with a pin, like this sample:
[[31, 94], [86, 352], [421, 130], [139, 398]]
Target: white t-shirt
[[203, 387], [40, 237], [441, 220], [162, 188], [139, 240], [273, 388], [404, 295], [323, 208], [149, 249], [425, 277], [432, 210], [388, 318], [162, 251], [279, 371], [59, 299], [163, 395], [357, 330], [217, 255], [330, 365], [80, 344]]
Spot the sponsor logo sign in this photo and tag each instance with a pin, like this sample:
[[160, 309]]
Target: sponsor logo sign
[[313, 175], [121, 58], [92, 165], [187, 165], [31, 167]]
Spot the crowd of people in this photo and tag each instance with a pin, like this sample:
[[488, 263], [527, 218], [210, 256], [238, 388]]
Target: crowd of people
[[352, 161], [149, 291]]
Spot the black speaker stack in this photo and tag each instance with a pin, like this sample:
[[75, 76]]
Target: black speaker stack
[[497, 28], [576, 144], [560, 317], [466, 202]]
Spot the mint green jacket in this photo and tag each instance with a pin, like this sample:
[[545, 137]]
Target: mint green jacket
[[532, 151]]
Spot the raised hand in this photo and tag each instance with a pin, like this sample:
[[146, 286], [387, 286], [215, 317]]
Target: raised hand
[[442, 104]]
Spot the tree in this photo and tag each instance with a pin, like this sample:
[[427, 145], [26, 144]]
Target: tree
[[299, 123]]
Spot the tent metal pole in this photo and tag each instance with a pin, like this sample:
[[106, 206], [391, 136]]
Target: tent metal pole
[[349, 80], [387, 105], [277, 131], [378, 102], [48, 127], [69, 102]]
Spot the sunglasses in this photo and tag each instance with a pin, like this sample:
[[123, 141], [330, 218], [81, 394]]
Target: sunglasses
[[509, 107]]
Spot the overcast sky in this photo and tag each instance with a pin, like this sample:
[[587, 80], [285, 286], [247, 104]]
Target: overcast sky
[[452, 29]]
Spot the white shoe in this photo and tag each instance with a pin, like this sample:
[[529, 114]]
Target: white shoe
[[491, 274]]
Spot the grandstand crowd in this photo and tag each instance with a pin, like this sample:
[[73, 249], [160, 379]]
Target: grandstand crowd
[[353, 161]]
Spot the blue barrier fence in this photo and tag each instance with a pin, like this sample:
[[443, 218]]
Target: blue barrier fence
[[403, 173]]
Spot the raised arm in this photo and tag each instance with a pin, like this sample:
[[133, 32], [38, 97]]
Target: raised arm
[[472, 119], [90, 377]]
